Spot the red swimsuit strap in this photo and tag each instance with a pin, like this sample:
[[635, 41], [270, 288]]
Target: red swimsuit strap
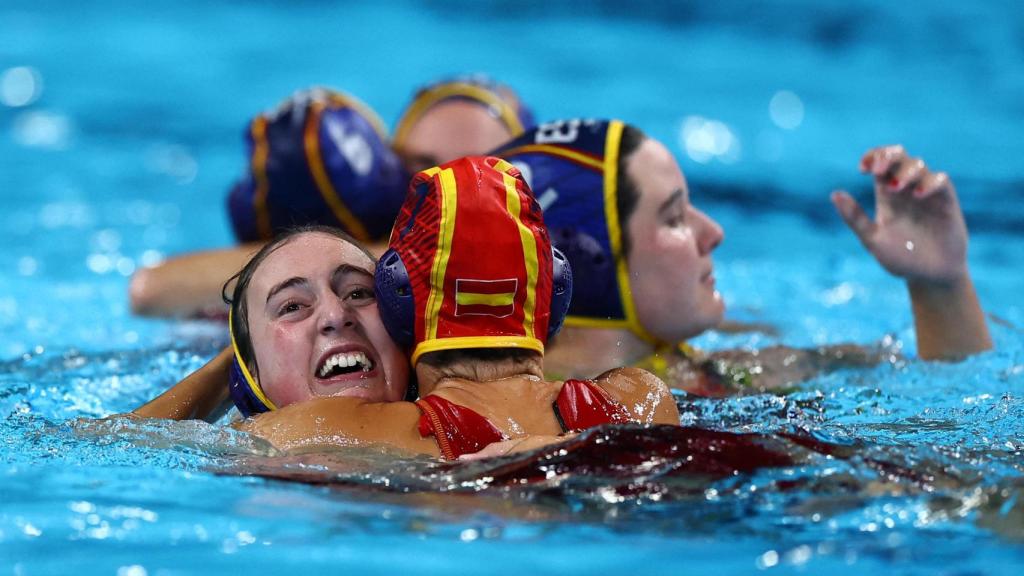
[[582, 404], [458, 430]]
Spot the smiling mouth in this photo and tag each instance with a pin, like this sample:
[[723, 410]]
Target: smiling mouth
[[344, 363]]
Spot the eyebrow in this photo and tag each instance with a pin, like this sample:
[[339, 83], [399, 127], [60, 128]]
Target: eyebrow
[[289, 283], [672, 199], [342, 270], [346, 269]]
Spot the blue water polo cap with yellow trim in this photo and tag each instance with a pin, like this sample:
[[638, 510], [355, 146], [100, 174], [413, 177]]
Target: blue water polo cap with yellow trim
[[321, 157], [500, 100], [244, 389], [572, 168]]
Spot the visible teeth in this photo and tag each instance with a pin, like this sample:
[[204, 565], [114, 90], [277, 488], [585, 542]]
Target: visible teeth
[[346, 360]]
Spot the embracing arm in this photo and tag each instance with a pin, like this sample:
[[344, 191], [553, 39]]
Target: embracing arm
[[201, 395], [189, 284], [335, 421], [919, 234]]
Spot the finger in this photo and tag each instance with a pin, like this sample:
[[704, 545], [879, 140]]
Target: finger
[[854, 216], [907, 175], [932, 184], [883, 158]]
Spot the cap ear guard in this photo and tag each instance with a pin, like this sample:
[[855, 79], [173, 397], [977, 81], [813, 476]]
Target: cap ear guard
[[244, 400], [245, 392], [561, 291], [395, 298]]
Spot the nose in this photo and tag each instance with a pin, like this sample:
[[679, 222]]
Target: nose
[[710, 233], [334, 316]]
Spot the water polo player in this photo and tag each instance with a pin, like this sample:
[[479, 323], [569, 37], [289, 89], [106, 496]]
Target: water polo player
[[618, 206], [304, 324], [321, 157], [472, 287], [465, 116]]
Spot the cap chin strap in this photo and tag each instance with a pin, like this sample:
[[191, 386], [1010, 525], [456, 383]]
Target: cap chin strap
[[252, 386], [506, 113]]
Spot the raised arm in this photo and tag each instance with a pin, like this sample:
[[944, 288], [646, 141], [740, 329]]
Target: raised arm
[[201, 395], [918, 234], [188, 285]]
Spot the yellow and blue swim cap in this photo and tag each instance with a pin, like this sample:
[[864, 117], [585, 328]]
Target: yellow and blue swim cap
[[500, 100], [572, 168], [245, 391], [321, 157]]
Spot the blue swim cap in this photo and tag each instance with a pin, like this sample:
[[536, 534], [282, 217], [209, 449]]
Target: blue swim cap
[[572, 168], [321, 157], [245, 391], [500, 100]]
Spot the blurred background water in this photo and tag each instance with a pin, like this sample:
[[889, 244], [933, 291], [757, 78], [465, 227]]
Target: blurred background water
[[121, 130]]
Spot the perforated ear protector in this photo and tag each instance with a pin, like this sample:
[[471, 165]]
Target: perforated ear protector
[[245, 392], [561, 291], [394, 298], [398, 309]]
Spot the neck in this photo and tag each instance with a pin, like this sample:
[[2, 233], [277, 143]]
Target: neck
[[478, 371], [587, 352]]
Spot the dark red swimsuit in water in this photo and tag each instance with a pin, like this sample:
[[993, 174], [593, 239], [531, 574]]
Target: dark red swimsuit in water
[[459, 430]]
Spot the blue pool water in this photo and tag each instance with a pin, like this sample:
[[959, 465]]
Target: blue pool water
[[120, 130]]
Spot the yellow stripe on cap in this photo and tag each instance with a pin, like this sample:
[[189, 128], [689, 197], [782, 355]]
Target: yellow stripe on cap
[[557, 151], [448, 206], [349, 101], [254, 387], [428, 98], [311, 142], [463, 342], [529, 246], [611, 210], [260, 152]]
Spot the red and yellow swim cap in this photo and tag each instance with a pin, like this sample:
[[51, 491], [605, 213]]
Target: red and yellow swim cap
[[470, 262]]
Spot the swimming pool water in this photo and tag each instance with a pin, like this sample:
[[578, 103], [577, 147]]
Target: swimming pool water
[[120, 131]]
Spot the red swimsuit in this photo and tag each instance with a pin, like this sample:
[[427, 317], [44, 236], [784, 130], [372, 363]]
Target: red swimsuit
[[459, 430]]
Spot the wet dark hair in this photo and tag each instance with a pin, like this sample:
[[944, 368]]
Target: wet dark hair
[[237, 301], [628, 194]]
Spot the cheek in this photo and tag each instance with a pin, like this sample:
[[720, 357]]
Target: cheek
[[282, 363]]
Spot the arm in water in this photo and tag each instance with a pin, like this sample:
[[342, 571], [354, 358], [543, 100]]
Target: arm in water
[[201, 395]]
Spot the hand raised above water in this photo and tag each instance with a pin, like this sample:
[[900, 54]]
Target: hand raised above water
[[918, 232]]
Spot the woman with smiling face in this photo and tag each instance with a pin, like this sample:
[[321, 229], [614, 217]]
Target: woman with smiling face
[[618, 206], [304, 324]]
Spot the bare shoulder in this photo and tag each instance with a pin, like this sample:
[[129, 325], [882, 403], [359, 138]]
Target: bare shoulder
[[629, 379], [332, 422], [647, 398]]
